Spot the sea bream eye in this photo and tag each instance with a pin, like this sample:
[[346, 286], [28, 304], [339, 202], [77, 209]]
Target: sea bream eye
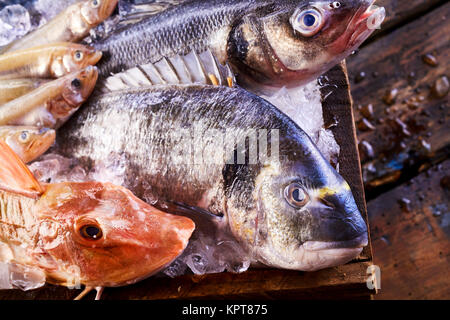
[[296, 196], [307, 22]]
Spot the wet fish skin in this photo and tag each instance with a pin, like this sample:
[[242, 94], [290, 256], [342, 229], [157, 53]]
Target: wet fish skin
[[47, 61], [128, 239], [28, 143], [71, 25], [51, 104], [144, 131], [256, 37], [14, 88]]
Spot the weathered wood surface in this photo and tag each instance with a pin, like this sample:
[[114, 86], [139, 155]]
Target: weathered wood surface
[[399, 12], [413, 132], [347, 281], [411, 242]]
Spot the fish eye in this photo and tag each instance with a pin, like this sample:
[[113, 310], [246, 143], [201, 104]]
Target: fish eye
[[78, 55], [91, 232], [95, 3], [307, 22], [76, 83], [24, 137], [335, 5], [296, 196]]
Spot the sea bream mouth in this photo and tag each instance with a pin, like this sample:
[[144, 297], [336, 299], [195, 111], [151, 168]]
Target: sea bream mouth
[[357, 243], [316, 255], [366, 20]]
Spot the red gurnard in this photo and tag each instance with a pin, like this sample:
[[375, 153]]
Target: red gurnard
[[91, 233]]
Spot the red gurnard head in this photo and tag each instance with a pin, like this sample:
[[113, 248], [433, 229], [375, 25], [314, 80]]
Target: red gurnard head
[[99, 234], [294, 41]]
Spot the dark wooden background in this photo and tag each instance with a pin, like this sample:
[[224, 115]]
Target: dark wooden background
[[404, 145]]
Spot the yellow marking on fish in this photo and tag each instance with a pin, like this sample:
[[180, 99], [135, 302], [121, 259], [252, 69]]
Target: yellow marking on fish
[[326, 191], [213, 79], [230, 82]]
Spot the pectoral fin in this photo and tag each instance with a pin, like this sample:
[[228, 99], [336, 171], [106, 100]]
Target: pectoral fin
[[15, 177]]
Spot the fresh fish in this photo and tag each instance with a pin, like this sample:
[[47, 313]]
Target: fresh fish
[[28, 143], [93, 234], [12, 89], [51, 104], [71, 25], [47, 61], [176, 144], [268, 43]]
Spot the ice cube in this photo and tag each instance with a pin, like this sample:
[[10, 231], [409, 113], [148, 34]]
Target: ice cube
[[14, 23], [20, 277], [50, 8], [303, 105]]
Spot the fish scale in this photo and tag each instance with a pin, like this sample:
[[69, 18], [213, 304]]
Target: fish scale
[[163, 36]]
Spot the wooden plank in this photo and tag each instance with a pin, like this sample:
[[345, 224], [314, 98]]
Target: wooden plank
[[405, 136], [399, 12], [338, 115], [411, 242], [344, 281], [348, 280]]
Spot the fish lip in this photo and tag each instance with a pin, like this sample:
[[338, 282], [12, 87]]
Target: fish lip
[[363, 27], [353, 244]]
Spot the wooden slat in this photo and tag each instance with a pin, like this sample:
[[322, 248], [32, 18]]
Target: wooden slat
[[399, 12], [412, 247], [348, 280], [337, 112], [389, 64]]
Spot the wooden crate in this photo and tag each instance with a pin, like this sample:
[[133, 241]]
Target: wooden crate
[[347, 281]]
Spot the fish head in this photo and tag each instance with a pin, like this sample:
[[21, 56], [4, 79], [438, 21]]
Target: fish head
[[99, 234], [77, 57], [296, 212], [29, 142], [78, 86], [293, 42], [96, 11]]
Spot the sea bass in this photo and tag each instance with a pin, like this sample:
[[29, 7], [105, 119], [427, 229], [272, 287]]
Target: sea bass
[[28, 143], [91, 233], [48, 61], [269, 43], [184, 147], [51, 104], [71, 25]]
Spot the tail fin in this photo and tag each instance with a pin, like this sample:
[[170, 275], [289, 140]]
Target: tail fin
[[15, 177]]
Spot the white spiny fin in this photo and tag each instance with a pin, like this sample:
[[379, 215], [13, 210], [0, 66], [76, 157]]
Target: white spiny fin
[[193, 68], [181, 69], [211, 67], [153, 73], [167, 71]]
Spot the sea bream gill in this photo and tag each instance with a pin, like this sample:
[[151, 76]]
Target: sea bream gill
[[191, 149], [80, 233], [270, 43]]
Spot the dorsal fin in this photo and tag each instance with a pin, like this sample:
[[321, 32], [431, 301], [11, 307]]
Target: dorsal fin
[[192, 68], [15, 177]]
